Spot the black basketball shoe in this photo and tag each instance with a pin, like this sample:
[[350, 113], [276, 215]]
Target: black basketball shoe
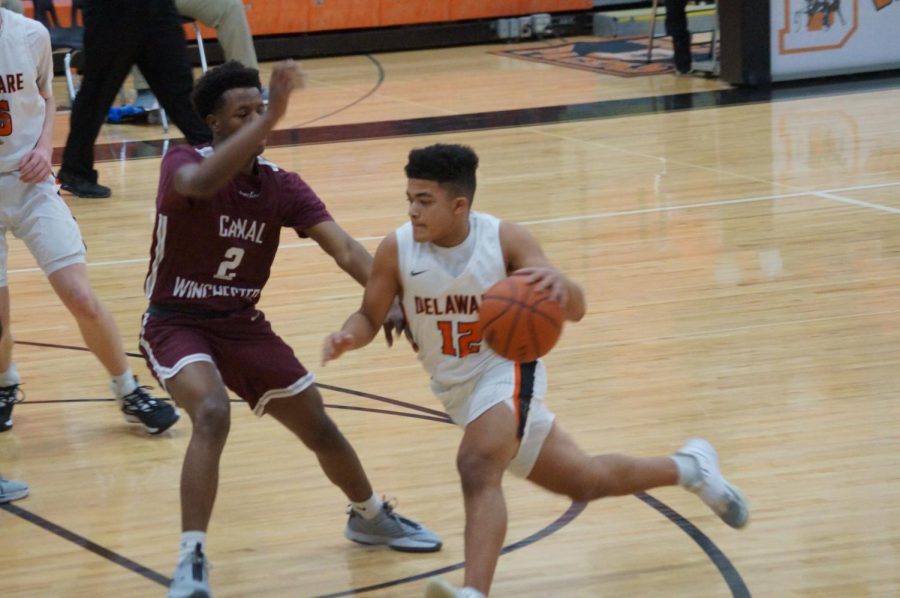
[[9, 396], [140, 407]]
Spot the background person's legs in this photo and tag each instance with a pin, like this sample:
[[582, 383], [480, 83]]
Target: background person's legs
[[677, 28], [163, 60], [111, 36]]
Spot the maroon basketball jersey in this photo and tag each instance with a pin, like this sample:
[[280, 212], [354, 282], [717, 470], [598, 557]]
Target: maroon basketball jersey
[[215, 254]]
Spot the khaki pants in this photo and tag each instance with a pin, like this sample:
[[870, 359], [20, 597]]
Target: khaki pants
[[229, 18]]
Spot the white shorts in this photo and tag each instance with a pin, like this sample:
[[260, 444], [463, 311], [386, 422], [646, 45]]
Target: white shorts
[[36, 214], [521, 387]]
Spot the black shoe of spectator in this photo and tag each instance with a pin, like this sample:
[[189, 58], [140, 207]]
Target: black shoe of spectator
[[81, 187]]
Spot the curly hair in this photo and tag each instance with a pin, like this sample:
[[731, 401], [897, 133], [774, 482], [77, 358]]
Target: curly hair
[[451, 166], [209, 89]]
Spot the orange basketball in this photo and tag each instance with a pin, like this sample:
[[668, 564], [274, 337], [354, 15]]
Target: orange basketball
[[517, 322]]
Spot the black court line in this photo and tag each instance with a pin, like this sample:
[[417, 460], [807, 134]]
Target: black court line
[[396, 402], [55, 346], [438, 415], [574, 510], [729, 573], [442, 420], [362, 98], [869, 82], [83, 542]]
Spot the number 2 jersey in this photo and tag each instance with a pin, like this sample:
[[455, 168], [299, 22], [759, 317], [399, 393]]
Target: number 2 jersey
[[442, 291], [215, 254]]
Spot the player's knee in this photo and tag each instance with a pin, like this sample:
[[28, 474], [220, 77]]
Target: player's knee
[[212, 417], [322, 435], [597, 481], [83, 303], [477, 470]]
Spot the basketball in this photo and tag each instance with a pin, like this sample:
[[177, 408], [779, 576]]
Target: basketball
[[519, 323]]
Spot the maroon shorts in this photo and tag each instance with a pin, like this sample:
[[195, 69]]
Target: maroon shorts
[[253, 361]]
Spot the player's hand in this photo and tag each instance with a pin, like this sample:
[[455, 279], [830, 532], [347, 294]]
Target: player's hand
[[547, 279], [286, 77], [34, 166], [336, 344], [395, 323]]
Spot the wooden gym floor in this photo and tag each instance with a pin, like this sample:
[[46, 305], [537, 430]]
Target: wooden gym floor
[[741, 260]]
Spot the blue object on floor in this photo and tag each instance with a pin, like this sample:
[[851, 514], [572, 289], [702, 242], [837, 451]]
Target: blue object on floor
[[121, 114]]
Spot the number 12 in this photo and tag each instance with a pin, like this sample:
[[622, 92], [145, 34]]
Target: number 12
[[467, 338]]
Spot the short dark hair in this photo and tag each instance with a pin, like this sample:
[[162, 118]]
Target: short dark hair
[[451, 166], [209, 89]]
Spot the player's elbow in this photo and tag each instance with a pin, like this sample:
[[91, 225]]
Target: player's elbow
[[575, 307], [352, 257]]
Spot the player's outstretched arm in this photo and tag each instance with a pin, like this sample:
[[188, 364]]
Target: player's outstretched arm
[[204, 179], [347, 252], [355, 260], [363, 325], [524, 256]]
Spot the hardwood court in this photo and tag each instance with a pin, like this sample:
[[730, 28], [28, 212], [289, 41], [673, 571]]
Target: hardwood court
[[741, 265]]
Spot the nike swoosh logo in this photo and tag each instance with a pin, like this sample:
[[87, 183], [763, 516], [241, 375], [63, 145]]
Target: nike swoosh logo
[[414, 273]]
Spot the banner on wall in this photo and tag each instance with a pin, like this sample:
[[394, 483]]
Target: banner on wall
[[818, 37]]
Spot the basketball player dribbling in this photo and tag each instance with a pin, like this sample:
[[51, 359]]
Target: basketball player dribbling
[[32, 210], [220, 210], [448, 251]]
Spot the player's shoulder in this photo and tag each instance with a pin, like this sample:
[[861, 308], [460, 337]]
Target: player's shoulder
[[387, 249], [283, 176], [276, 170], [29, 28], [197, 152], [182, 154]]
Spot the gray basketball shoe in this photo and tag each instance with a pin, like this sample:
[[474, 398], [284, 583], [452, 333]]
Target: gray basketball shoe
[[391, 529], [438, 588], [724, 498], [191, 579], [12, 490]]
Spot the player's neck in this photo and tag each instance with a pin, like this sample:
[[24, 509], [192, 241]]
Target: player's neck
[[454, 238], [250, 167]]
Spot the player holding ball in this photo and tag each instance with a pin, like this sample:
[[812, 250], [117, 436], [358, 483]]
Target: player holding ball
[[442, 263]]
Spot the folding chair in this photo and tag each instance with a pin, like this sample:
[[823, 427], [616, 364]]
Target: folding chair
[[67, 41]]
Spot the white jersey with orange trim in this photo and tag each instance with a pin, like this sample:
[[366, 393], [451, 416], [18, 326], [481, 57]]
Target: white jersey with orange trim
[[442, 291], [26, 75]]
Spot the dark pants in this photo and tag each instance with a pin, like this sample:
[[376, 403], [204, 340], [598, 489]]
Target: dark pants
[[117, 35], [677, 28]]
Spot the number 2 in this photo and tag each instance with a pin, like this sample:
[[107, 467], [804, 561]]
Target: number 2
[[6, 126], [232, 260]]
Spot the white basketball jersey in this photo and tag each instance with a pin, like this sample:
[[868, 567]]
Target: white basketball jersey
[[26, 74], [441, 297]]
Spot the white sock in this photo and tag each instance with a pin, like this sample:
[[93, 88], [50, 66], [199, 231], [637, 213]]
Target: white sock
[[368, 509], [188, 541], [470, 592], [124, 383], [688, 472], [10, 376]]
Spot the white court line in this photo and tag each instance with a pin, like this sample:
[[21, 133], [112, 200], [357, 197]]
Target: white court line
[[827, 194], [856, 202]]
